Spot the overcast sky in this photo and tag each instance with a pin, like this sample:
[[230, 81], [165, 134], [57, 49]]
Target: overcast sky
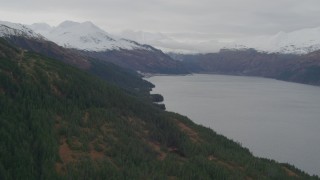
[[183, 19]]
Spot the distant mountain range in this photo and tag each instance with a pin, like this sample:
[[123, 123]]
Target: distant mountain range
[[286, 56], [88, 37], [301, 41]]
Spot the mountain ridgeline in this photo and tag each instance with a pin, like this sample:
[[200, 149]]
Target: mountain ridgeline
[[58, 121]]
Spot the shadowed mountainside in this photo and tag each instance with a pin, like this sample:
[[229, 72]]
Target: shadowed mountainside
[[296, 68], [147, 61]]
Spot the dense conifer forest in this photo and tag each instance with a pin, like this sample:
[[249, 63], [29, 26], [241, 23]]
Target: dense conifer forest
[[59, 122]]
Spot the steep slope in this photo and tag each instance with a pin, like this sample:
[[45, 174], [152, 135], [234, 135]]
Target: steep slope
[[8, 29], [50, 49], [305, 70], [57, 122], [24, 37], [94, 42]]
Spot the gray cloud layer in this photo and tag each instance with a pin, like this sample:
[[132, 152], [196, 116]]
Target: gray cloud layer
[[212, 19]]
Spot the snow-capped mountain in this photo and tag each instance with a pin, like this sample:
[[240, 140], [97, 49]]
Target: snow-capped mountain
[[85, 40], [23, 37], [8, 29], [84, 36]]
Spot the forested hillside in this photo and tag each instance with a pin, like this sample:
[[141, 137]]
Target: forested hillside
[[59, 122], [124, 78]]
